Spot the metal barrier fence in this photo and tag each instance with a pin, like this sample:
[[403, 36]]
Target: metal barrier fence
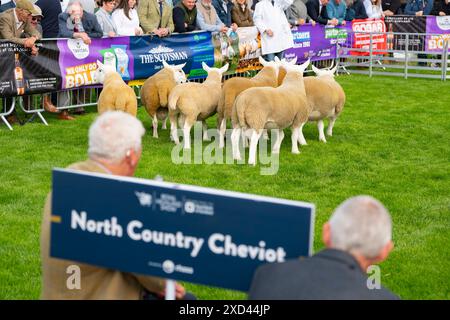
[[406, 55], [84, 97]]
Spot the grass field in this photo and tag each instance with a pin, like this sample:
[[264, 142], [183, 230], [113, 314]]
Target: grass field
[[392, 142]]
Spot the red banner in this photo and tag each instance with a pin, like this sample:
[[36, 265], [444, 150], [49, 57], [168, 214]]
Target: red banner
[[362, 40]]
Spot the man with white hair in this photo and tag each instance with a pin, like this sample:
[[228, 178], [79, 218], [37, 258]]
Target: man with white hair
[[358, 235], [114, 148]]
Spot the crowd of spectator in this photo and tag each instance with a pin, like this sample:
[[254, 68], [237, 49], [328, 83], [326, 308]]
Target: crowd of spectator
[[87, 19], [26, 21]]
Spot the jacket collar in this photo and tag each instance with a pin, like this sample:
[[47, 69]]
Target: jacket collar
[[340, 257]]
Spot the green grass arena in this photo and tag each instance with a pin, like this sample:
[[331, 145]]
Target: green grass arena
[[392, 141]]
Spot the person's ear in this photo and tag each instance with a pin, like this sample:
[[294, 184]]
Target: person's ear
[[133, 157], [326, 234], [384, 253]]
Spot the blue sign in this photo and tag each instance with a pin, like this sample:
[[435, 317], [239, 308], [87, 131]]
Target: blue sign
[[192, 49], [200, 235]]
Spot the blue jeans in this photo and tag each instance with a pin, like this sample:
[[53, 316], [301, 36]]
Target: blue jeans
[[271, 56]]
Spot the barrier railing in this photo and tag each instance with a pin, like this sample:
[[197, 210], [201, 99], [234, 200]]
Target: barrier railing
[[404, 52], [405, 55]]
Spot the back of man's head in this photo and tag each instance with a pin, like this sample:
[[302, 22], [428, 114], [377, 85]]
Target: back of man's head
[[113, 134], [361, 225]]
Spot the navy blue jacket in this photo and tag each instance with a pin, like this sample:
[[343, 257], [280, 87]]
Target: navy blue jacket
[[329, 274], [312, 6], [356, 11], [51, 10], [225, 17], [90, 26], [6, 6]]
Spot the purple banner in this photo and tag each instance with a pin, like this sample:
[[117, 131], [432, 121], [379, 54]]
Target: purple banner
[[316, 42], [440, 26], [78, 61]]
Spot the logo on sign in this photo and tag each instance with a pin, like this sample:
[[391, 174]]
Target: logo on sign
[[145, 199], [163, 53], [189, 207], [443, 22], [168, 266], [369, 26], [79, 49]]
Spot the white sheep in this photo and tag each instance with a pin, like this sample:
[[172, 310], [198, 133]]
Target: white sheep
[[195, 101], [155, 92], [326, 97], [272, 108], [267, 77], [116, 94]]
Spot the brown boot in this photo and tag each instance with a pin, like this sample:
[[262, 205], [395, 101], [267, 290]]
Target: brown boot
[[12, 119], [48, 105], [64, 115]]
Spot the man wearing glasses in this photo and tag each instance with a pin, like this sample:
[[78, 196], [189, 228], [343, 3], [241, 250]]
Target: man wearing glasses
[[16, 22], [36, 18]]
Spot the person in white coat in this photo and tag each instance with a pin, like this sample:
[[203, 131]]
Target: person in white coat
[[276, 35]]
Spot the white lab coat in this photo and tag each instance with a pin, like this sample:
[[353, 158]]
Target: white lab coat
[[268, 17]]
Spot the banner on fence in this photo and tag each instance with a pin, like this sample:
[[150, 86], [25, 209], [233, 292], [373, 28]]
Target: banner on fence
[[406, 24], [181, 232], [441, 27], [69, 63], [316, 42], [249, 49], [363, 40], [21, 73]]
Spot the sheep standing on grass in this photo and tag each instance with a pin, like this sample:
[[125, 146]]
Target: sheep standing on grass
[[267, 77], [272, 108], [116, 94], [195, 101], [326, 97], [155, 92]]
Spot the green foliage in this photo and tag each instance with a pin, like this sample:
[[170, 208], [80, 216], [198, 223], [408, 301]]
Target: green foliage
[[391, 141]]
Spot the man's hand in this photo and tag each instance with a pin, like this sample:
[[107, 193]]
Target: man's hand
[[269, 32], [34, 51], [224, 29], [313, 23], [85, 38], [164, 32], [419, 13], [179, 292], [138, 31], [234, 27], [441, 13], [157, 32], [334, 22], [300, 22], [29, 42], [388, 13], [111, 34], [343, 23]]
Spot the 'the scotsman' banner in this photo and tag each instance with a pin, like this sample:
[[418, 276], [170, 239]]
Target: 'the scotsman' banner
[[181, 232]]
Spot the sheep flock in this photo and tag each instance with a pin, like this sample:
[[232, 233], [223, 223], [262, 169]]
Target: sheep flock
[[277, 97]]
